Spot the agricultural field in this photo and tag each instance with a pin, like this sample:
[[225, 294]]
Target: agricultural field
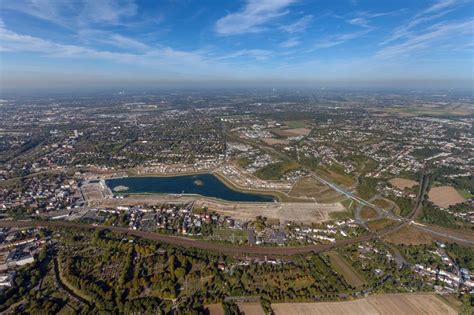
[[403, 183], [273, 141], [343, 268], [445, 196], [293, 132], [384, 304], [433, 111], [214, 309], [251, 308]]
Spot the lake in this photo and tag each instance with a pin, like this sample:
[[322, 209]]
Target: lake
[[202, 184]]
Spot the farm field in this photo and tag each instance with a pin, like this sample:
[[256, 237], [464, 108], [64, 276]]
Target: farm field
[[292, 132], [345, 269], [402, 183], [385, 304], [251, 308], [445, 196], [273, 141], [215, 309]]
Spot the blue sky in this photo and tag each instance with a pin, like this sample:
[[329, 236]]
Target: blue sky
[[103, 41]]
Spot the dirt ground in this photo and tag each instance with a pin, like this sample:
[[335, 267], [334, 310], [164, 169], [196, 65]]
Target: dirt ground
[[385, 304], [298, 212], [445, 196], [215, 309], [292, 132], [251, 308], [272, 141], [298, 131], [402, 183], [307, 212]]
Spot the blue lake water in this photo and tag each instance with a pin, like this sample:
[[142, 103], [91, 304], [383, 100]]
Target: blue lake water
[[203, 184]]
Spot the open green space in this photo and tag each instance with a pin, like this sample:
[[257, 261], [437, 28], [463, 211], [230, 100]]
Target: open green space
[[275, 171], [346, 270]]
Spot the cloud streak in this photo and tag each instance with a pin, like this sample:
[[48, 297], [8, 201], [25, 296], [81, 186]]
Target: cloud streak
[[435, 11], [252, 17], [424, 40]]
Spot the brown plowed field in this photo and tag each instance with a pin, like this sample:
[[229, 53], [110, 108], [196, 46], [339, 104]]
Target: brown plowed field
[[385, 304]]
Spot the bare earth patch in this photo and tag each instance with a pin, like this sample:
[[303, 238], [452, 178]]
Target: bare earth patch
[[215, 309], [298, 131], [385, 304], [402, 183], [273, 141], [445, 196], [251, 308]]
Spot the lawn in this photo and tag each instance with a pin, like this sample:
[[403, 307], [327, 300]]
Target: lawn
[[343, 268]]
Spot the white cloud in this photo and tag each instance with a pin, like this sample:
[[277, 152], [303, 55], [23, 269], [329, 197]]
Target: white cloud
[[298, 26], [292, 42], [107, 11], [252, 17], [257, 54], [440, 5], [437, 10], [359, 21], [74, 14], [341, 39], [431, 36], [165, 56], [113, 39]]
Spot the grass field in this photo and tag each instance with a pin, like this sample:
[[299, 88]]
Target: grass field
[[276, 170], [380, 224], [384, 304], [345, 269], [230, 235], [465, 193], [311, 188], [368, 213], [409, 236], [295, 124]]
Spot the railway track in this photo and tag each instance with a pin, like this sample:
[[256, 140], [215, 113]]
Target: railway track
[[244, 250]]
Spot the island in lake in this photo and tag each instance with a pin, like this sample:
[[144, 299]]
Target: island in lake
[[120, 188], [206, 185]]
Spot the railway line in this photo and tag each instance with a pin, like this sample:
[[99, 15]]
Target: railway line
[[246, 250]]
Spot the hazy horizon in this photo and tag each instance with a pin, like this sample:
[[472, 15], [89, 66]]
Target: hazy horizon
[[51, 45]]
